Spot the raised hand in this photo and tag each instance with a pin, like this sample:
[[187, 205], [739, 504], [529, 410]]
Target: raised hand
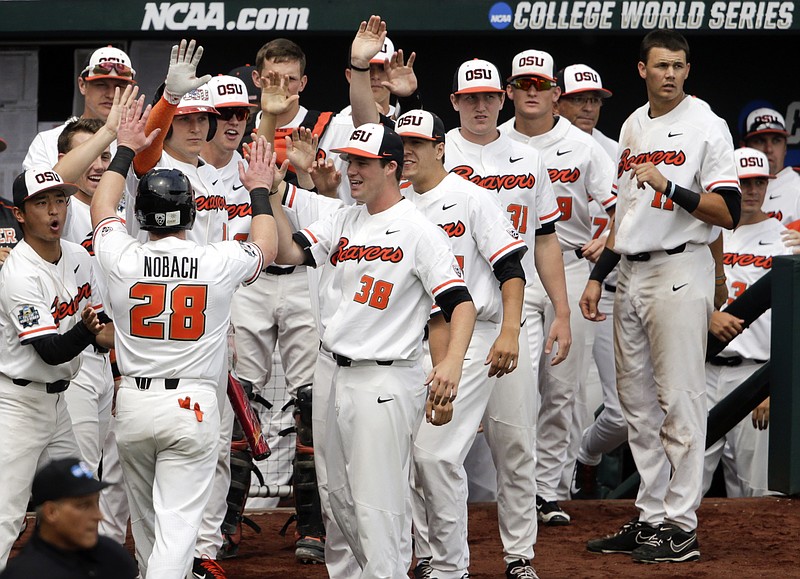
[[132, 124], [261, 166], [182, 73], [368, 41], [325, 177], [402, 79], [301, 149], [121, 100], [275, 97]]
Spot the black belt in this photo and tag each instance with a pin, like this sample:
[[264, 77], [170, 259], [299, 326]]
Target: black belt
[[645, 255], [169, 383], [610, 288], [345, 361], [731, 360], [275, 270], [50, 387]]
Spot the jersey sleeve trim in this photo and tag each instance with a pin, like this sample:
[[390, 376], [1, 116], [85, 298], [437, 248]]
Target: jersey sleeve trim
[[291, 193], [449, 284], [554, 216], [105, 221], [26, 336], [610, 202], [309, 235], [723, 183], [260, 264], [503, 251]]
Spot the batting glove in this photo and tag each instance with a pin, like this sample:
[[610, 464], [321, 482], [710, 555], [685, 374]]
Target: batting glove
[[182, 73]]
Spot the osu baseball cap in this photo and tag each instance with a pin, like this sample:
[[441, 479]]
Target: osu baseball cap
[[35, 181], [62, 478], [109, 62], [228, 91], [765, 120], [476, 76], [386, 51], [751, 164], [197, 101], [532, 63], [578, 78], [245, 74], [374, 141], [420, 124]]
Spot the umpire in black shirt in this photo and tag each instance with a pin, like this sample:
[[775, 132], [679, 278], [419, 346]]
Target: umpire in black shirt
[[65, 544]]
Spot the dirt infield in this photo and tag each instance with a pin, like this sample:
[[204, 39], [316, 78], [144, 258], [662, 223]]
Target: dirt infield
[[738, 538]]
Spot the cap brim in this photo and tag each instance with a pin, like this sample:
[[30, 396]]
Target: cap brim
[[419, 136], [766, 131], [756, 176], [544, 76], [604, 92], [114, 76], [189, 110], [67, 188], [474, 89], [358, 153], [238, 105]]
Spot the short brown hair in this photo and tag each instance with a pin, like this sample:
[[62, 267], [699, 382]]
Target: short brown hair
[[661, 38], [77, 126], [281, 50]]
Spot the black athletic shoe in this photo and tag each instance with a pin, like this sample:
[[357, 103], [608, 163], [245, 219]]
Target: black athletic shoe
[[310, 550], [423, 569], [520, 569], [207, 568], [670, 544], [584, 482], [632, 535], [550, 513]]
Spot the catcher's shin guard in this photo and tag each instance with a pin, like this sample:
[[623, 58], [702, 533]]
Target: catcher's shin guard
[[310, 545]]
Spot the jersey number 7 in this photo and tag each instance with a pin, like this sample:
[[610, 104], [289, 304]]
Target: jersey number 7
[[186, 302]]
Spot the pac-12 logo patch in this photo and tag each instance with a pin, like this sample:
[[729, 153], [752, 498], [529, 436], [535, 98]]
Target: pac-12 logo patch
[[28, 316], [248, 248], [500, 15]]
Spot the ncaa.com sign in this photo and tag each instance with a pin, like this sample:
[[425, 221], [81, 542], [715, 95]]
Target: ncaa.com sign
[[211, 16]]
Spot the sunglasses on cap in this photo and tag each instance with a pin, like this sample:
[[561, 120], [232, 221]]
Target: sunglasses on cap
[[227, 113], [527, 82], [105, 68]]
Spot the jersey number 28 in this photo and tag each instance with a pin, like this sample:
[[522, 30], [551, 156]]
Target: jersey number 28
[[186, 302]]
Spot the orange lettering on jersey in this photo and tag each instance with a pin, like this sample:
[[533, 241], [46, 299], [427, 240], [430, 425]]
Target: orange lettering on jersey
[[61, 310], [564, 175], [745, 259], [496, 182], [239, 210], [676, 158], [345, 252], [776, 214], [453, 229], [210, 203]]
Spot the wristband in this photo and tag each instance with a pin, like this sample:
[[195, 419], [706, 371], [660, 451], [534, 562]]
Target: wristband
[[259, 201], [686, 198], [172, 99], [607, 261], [358, 68], [122, 160]]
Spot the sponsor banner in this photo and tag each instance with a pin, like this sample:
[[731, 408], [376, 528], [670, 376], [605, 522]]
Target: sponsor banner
[[92, 16]]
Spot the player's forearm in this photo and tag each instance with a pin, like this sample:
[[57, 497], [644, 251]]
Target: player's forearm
[[513, 294], [75, 163], [107, 196], [550, 266], [105, 339], [713, 210], [361, 101], [438, 338], [264, 233], [267, 126], [462, 323], [160, 118], [288, 252]]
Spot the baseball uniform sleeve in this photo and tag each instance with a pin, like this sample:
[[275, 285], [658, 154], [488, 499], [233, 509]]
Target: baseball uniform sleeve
[[600, 180], [319, 236], [718, 166], [110, 239], [494, 234], [436, 266], [28, 312], [304, 207], [245, 260], [547, 210]]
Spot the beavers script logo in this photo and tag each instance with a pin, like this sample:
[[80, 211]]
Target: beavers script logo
[[346, 252], [496, 182], [454, 229], [676, 158], [744, 259], [61, 310]]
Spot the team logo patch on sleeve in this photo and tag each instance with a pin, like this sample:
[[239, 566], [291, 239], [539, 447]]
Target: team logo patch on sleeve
[[512, 232], [458, 271], [28, 316], [106, 230], [248, 248]]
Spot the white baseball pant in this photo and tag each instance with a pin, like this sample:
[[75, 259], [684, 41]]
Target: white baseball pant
[[744, 450], [661, 318], [113, 500], [37, 429]]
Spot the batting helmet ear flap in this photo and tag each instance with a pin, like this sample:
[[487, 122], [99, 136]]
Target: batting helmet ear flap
[[158, 94], [212, 127]]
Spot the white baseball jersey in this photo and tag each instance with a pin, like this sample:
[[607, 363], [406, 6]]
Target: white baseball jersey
[[211, 222], [43, 150], [78, 226], [39, 298], [480, 234], [237, 199], [783, 196], [748, 256], [519, 177], [170, 299], [610, 146], [386, 269], [691, 147], [578, 168]]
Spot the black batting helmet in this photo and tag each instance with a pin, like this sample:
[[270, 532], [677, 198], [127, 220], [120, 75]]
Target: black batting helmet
[[165, 201]]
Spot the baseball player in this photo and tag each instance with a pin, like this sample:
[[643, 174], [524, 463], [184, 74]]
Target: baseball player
[[578, 169], [107, 70], [748, 255], [671, 148], [10, 230], [516, 173], [171, 344], [766, 131], [385, 264], [49, 314], [582, 97], [490, 249]]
